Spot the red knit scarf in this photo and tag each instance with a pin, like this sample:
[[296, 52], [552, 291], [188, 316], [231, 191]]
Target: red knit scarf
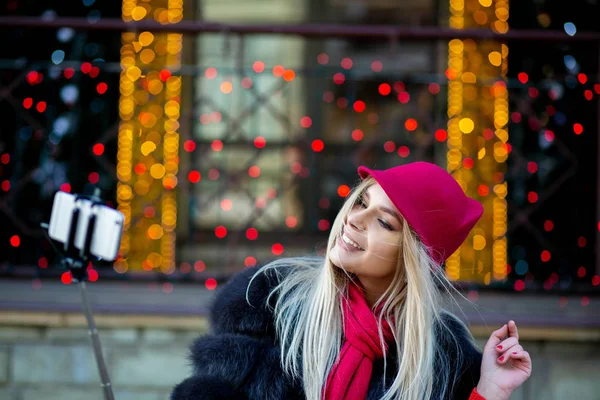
[[350, 376]]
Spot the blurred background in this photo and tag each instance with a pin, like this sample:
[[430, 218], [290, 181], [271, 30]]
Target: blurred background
[[228, 133]]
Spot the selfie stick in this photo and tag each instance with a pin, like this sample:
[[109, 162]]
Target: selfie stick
[[76, 262]]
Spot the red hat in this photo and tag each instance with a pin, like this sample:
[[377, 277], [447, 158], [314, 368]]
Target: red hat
[[432, 202]]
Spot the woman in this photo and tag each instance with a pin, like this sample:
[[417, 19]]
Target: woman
[[367, 321]]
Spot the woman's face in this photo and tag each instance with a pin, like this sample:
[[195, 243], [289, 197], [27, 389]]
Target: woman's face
[[369, 245]]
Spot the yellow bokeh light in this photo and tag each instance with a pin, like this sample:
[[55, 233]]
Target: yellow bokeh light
[[466, 125], [157, 171], [138, 13], [155, 232], [155, 86], [485, 3], [141, 187], [147, 56], [480, 17], [146, 38], [133, 73], [479, 242], [495, 58]]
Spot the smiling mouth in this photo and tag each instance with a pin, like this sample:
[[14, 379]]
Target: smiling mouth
[[351, 242]]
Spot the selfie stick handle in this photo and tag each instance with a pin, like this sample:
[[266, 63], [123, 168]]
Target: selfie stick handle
[[93, 332]]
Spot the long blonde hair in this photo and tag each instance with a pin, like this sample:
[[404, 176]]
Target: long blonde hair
[[309, 323]]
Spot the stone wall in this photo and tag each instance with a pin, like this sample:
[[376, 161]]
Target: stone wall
[[59, 363], [54, 363]]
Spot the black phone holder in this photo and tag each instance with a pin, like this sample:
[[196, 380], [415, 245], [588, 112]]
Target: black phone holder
[[76, 261]]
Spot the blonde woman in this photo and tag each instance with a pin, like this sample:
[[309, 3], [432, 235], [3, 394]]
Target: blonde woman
[[368, 320]]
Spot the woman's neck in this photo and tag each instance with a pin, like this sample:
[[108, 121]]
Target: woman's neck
[[374, 289]]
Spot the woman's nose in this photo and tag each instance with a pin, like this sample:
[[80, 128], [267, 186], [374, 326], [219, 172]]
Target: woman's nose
[[355, 223]]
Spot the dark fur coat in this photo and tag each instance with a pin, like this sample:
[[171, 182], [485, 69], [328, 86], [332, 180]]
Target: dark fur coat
[[240, 357]]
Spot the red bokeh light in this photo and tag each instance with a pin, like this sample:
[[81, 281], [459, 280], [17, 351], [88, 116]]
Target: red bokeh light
[[359, 106], [194, 176], [519, 285], [323, 225], [211, 284], [578, 128], [217, 145], [346, 63], [258, 66], [357, 135], [86, 67], [291, 221], [403, 151], [210, 73], [339, 78], [411, 124], [220, 232], [66, 278], [278, 70], [15, 241], [343, 190], [403, 97], [548, 225], [260, 142], [43, 262], [254, 171], [92, 274], [250, 261], [441, 135], [318, 145], [101, 88], [389, 146], [252, 234], [199, 266], [68, 73], [322, 58], [468, 163], [164, 74], [376, 66], [66, 187], [98, 149], [385, 89], [277, 249], [41, 106], [522, 77], [93, 177], [27, 103], [434, 88], [532, 197], [546, 256], [305, 122], [189, 146]]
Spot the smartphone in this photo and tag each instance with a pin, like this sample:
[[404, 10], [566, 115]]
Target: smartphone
[[107, 227]]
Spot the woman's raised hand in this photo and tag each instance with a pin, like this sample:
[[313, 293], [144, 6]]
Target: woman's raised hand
[[505, 365]]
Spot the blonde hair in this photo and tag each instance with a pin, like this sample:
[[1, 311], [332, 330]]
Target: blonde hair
[[309, 327]]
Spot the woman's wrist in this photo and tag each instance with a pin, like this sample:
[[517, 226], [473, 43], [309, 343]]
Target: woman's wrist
[[491, 391]]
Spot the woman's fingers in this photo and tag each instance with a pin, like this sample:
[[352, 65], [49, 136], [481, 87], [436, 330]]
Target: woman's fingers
[[513, 352], [512, 329], [507, 344]]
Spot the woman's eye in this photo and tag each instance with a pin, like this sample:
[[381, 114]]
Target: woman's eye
[[385, 225], [360, 202]]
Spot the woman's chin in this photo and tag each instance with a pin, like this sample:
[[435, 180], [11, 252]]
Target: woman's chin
[[340, 262]]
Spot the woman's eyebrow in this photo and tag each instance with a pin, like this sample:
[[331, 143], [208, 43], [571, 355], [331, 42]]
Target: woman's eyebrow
[[391, 212], [387, 210]]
